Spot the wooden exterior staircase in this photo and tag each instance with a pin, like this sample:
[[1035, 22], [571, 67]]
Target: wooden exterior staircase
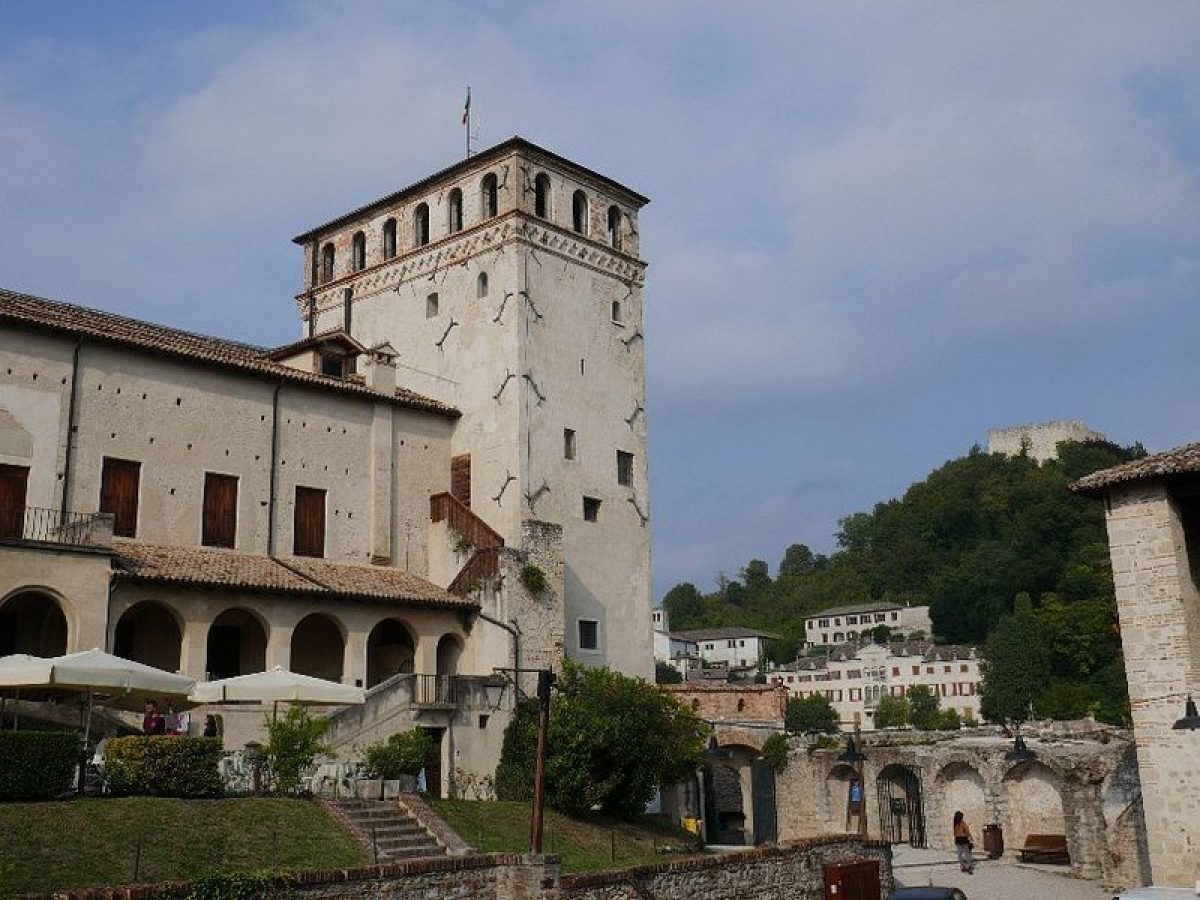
[[484, 563]]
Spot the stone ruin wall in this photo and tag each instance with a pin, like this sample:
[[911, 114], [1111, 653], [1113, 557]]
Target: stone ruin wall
[[1042, 438], [1085, 788]]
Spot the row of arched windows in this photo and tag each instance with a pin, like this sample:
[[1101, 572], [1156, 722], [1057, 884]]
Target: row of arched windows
[[488, 208]]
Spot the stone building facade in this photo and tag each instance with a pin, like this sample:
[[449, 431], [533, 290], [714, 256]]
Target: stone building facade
[[846, 624], [1152, 508], [855, 677], [1084, 787], [215, 508]]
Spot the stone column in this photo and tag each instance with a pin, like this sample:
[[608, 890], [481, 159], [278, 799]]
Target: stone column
[[354, 668]]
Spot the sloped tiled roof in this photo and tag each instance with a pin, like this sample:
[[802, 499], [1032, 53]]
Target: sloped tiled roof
[[725, 633], [871, 606], [66, 318], [1180, 461], [207, 567]]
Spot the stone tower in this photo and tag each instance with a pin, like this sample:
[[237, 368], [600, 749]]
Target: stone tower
[[509, 285]]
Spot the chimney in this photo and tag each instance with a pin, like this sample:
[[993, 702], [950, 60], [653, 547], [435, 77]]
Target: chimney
[[381, 369]]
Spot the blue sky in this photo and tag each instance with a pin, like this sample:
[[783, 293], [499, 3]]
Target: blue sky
[[877, 229]]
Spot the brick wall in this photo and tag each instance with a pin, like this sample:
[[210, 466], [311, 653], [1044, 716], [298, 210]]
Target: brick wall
[[792, 871], [740, 703]]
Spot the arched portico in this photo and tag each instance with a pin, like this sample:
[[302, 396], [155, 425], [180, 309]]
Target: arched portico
[[449, 651], [901, 805], [391, 650], [1034, 802], [236, 645], [32, 621], [959, 788], [149, 632], [319, 647]]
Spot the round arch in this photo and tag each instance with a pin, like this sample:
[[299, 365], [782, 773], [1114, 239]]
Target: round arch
[[149, 632], [391, 650], [1033, 792], [901, 805], [961, 788], [33, 621], [319, 647], [841, 807], [237, 644], [449, 652]]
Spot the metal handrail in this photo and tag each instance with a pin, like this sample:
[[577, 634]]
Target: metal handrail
[[40, 525]]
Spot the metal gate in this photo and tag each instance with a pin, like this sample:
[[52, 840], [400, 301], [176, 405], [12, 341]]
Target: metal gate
[[901, 815], [853, 881], [762, 792]]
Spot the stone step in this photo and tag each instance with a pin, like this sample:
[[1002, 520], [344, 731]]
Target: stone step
[[414, 853], [390, 831], [394, 844]]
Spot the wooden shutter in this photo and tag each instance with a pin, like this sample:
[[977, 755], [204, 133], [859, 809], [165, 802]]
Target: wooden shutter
[[13, 483], [119, 494], [220, 510], [309, 524], [460, 479]]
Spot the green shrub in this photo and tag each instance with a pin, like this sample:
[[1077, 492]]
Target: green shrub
[[775, 751], [534, 580], [231, 886], [36, 765], [163, 766], [293, 745], [404, 753]]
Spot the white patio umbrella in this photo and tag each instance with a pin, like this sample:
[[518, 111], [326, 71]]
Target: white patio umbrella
[[278, 686], [107, 679]]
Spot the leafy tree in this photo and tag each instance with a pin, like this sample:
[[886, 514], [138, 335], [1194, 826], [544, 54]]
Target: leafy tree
[[881, 634], [891, 712], [293, 746], [756, 577], [1014, 666], [813, 713], [596, 716], [797, 560], [684, 605], [948, 720], [923, 708], [665, 673]]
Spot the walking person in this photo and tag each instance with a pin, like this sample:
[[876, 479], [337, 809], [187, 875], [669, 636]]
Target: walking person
[[963, 844]]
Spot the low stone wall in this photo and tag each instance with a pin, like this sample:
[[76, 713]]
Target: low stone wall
[[791, 871]]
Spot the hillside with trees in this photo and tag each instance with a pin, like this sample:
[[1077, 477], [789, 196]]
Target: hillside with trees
[[1004, 555]]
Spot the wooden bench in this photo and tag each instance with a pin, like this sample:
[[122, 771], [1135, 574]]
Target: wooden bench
[[1051, 848]]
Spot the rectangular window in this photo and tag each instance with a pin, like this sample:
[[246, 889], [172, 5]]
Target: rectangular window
[[624, 468], [589, 634], [895, 617], [730, 644], [119, 480], [962, 668], [431, 306], [308, 526], [333, 365], [13, 483], [851, 620], [591, 509], [879, 617], [219, 524], [916, 670], [568, 443]]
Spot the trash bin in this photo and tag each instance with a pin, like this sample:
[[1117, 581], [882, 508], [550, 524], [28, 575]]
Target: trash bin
[[993, 841]]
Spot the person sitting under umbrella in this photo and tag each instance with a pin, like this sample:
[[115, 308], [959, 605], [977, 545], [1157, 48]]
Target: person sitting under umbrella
[[153, 722]]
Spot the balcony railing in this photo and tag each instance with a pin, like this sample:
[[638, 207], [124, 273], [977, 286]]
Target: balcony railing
[[35, 525], [459, 517], [435, 690]]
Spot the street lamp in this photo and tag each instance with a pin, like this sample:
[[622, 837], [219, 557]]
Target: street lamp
[[493, 690], [1191, 718]]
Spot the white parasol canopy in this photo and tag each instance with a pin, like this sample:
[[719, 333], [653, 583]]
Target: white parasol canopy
[[109, 680], [278, 686]]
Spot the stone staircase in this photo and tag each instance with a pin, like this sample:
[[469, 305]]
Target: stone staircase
[[389, 829]]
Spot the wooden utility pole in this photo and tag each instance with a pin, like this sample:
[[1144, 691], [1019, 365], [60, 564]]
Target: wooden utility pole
[[546, 680]]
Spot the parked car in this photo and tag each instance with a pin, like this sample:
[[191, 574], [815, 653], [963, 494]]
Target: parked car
[[927, 893]]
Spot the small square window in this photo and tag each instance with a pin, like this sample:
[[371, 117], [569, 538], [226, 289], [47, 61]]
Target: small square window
[[333, 365], [591, 509], [624, 468], [431, 306], [617, 317], [589, 634], [568, 443]]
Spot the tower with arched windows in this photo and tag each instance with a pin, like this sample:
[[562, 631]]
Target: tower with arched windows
[[535, 336]]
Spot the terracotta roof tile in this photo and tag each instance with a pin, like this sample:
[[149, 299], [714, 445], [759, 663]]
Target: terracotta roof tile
[[38, 312], [207, 567], [1180, 461]]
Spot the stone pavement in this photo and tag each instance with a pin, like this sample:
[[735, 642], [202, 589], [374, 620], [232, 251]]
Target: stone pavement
[[993, 880]]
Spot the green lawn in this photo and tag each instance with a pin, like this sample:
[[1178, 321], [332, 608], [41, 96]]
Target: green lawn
[[584, 844], [94, 842]]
